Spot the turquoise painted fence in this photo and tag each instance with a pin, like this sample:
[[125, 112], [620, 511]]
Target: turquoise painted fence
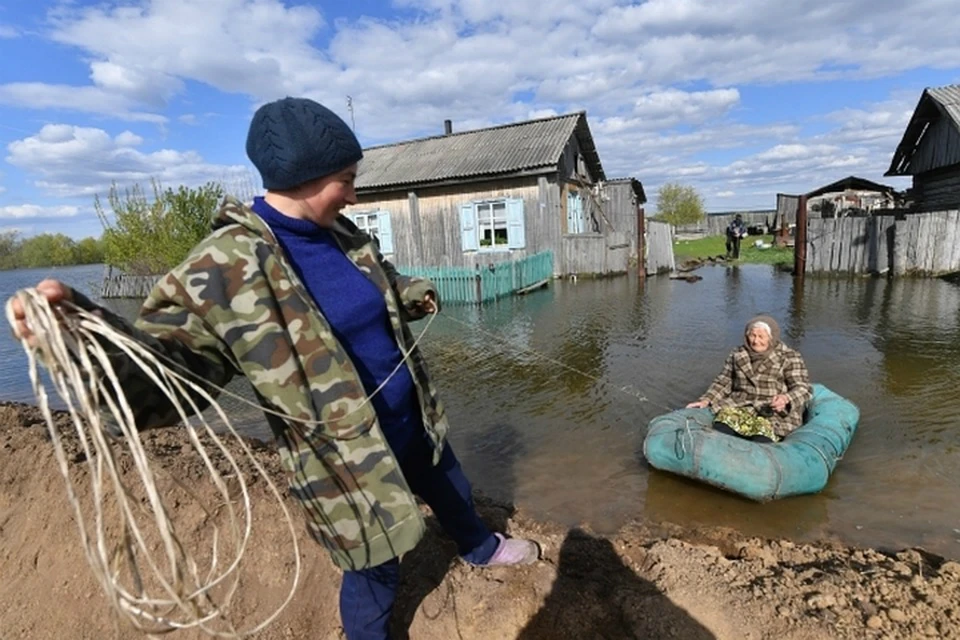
[[486, 283]]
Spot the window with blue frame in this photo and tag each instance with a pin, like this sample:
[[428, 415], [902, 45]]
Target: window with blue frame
[[377, 225], [492, 225]]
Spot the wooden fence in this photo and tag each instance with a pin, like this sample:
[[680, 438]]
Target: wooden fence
[[715, 224], [117, 284], [659, 248], [905, 244], [454, 284], [486, 283]]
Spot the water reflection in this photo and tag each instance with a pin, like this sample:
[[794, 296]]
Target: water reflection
[[678, 500]]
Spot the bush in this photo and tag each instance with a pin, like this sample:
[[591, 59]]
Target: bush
[[148, 237]]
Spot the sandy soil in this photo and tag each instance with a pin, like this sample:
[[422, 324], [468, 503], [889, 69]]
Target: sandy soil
[[636, 584]]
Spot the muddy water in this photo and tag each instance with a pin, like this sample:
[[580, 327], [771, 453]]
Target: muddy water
[[567, 445], [549, 396]]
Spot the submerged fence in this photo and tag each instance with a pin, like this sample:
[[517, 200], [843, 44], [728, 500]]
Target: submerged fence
[[454, 284], [117, 284], [486, 283]]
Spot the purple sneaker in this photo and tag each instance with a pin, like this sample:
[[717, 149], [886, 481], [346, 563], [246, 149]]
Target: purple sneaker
[[513, 551]]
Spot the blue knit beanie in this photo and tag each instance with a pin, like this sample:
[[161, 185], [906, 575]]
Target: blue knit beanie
[[295, 140]]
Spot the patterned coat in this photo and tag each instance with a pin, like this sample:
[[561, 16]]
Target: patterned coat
[[741, 384], [236, 306]]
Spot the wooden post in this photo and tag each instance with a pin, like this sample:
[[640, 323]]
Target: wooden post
[[641, 244], [800, 239], [479, 286]]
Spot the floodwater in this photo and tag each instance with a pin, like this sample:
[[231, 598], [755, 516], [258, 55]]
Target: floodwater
[[549, 396]]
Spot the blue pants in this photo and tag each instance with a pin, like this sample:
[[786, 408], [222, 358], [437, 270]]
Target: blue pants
[[366, 596]]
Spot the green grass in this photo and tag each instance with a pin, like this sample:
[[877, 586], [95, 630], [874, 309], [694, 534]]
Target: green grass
[[713, 246]]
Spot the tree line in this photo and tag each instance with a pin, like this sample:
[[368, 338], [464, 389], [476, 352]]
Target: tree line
[[145, 235], [47, 250]]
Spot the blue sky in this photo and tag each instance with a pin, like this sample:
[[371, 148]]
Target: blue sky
[[741, 99]]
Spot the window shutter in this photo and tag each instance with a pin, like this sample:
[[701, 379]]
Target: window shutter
[[386, 232], [468, 227], [515, 224], [571, 213]]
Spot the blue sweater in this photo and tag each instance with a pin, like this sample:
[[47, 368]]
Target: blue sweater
[[357, 313]]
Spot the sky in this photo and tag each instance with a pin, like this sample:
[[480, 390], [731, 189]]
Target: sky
[[741, 99]]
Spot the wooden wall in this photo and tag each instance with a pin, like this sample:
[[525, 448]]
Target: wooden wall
[[937, 190], [426, 223], [426, 226], [659, 247], [939, 147], [916, 244], [621, 209]]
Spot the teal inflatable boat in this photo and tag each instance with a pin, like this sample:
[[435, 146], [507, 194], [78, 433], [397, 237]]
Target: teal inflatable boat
[[684, 442]]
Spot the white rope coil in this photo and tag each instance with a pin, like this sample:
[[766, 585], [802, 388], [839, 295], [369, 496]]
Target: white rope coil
[[153, 571]]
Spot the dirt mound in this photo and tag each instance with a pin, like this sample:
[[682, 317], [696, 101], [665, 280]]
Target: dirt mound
[[636, 584]]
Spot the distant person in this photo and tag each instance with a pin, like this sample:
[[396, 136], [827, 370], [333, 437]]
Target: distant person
[[735, 231], [764, 387]]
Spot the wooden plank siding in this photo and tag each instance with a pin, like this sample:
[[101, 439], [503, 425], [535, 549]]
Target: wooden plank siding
[[436, 212], [937, 190], [925, 244], [659, 248], [426, 225]]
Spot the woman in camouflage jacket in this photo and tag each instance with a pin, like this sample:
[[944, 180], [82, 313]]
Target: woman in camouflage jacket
[[290, 294], [763, 389]]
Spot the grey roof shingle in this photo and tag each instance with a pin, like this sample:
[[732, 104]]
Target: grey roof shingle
[[495, 151]]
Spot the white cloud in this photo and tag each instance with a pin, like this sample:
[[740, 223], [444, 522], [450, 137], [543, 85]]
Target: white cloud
[[32, 211], [673, 106], [234, 45], [7, 32], [37, 95], [81, 161], [725, 194]]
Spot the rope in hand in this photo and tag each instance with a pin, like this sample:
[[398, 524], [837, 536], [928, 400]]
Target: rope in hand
[[146, 565]]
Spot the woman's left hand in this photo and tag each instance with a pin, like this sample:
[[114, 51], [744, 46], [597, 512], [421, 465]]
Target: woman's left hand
[[429, 303], [779, 403]]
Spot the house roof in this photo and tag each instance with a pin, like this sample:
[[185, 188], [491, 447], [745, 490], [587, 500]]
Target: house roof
[[851, 182], [519, 148], [635, 184], [935, 103]]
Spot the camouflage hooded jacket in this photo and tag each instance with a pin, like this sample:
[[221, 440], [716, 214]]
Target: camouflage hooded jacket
[[235, 305]]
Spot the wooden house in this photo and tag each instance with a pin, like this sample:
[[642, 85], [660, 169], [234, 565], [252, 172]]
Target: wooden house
[[930, 151], [497, 194]]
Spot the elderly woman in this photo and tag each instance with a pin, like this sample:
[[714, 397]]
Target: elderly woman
[[763, 389], [292, 295]]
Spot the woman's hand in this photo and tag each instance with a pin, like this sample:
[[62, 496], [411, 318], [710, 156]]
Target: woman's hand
[[779, 403], [699, 404], [54, 291], [429, 302]]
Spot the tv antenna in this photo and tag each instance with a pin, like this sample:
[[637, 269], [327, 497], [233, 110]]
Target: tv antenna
[[353, 122]]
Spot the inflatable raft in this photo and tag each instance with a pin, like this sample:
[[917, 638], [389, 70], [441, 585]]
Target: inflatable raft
[[684, 442]]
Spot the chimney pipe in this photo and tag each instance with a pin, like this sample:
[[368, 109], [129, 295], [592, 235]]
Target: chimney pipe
[[447, 127]]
